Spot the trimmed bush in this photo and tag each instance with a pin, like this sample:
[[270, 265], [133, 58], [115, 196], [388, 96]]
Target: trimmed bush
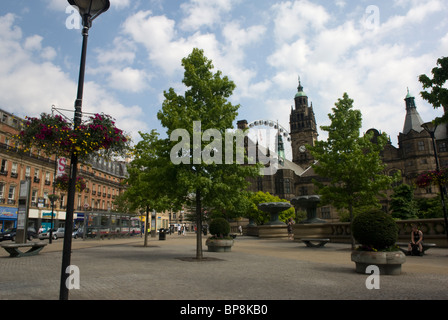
[[219, 227], [375, 229]]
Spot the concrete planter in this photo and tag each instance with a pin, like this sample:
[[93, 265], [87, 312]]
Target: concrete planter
[[387, 262], [219, 245]]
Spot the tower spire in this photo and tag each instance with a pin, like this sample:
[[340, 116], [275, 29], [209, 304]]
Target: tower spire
[[413, 121], [300, 88]]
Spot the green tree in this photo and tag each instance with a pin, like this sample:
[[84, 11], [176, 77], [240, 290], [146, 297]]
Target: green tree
[[438, 94], [402, 203], [429, 208], [350, 163], [202, 174], [145, 191]]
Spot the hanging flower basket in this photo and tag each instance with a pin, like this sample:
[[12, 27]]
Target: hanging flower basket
[[432, 177], [62, 183], [54, 135]]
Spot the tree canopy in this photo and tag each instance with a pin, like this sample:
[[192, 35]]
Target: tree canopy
[[438, 93], [350, 163], [178, 172]]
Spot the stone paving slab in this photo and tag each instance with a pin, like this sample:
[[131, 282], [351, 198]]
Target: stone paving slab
[[255, 270]]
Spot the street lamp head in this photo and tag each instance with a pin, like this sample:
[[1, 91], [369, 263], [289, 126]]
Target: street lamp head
[[430, 127], [90, 8]]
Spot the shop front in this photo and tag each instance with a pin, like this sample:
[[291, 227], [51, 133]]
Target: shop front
[[8, 218]]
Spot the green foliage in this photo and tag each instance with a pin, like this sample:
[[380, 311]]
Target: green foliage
[[438, 95], [219, 227], [429, 208], [147, 174], [260, 217], [375, 229], [214, 186], [402, 203], [351, 163], [218, 186]]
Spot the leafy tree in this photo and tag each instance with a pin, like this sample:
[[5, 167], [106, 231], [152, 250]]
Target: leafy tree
[[350, 163], [402, 203], [260, 217], [202, 174], [438, 95], [146, 170], [429, 208]]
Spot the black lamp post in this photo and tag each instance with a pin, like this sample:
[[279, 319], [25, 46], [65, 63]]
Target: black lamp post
[[431, 127], [89, 10]]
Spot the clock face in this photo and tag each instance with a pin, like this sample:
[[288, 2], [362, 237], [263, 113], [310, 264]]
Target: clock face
[[302, 148]]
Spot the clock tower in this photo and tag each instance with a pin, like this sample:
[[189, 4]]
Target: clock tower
[[303, 128]]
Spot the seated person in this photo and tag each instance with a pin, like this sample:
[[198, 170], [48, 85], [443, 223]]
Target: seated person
[[416, 240]]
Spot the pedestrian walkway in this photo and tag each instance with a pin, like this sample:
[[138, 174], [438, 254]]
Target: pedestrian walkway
[[255, 269]]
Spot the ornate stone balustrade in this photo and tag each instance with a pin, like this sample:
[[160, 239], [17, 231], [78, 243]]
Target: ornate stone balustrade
[[433, 231]]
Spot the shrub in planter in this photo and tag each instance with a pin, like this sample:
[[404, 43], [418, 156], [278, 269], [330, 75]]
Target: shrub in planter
[[219, 228], [377, 233], [220, 240], [375, 229]]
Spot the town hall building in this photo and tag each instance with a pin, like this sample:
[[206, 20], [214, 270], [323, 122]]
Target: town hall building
[[414, 155]]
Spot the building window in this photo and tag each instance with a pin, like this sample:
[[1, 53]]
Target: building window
[[287, 186], [11, 194], [34, 198], [4, 167], [260, 184], [421, 146], [279, 186], [325, 212], [14, 167], [2, 192], [442, 147]]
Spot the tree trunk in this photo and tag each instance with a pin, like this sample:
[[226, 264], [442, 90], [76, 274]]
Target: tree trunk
[[199, 225], [350, 209]]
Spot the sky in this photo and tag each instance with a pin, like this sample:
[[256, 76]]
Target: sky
[[373, 50]]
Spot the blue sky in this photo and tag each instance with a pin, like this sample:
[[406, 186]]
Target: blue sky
[[373, 50]]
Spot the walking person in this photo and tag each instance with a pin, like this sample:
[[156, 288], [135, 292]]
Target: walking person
[[290, 234]]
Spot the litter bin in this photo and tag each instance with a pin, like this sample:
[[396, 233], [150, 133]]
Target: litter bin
[[162, 234]]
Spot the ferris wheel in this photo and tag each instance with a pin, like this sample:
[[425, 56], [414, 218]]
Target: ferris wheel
[[272, 124]]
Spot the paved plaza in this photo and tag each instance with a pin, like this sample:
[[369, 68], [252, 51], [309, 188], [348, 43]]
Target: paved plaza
[[255, 269]]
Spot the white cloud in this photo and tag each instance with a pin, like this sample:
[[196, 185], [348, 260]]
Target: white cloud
[[120, 4], [416, 14], [296, 18], [203, 13], [128, 79], [30, 85]]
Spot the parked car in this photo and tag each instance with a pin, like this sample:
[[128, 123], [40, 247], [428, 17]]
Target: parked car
[[57, 233], [10, 234], [77, 233]]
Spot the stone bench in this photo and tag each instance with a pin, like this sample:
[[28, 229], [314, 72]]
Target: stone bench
[[425, 246], [315, 243], [14, 248]]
